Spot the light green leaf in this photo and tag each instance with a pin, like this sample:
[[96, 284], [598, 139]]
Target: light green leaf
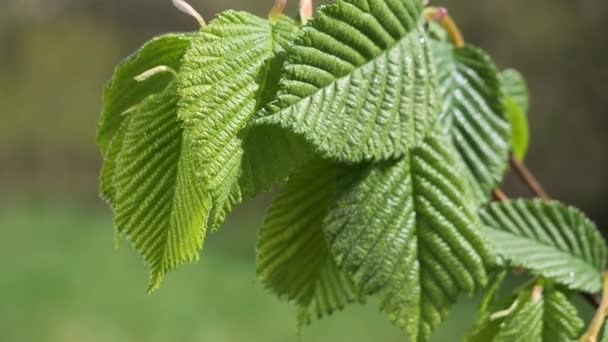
[[160, 206], [170, 169], [516, 104], [549, 318], [473, 114], [293, 256], [123, 93], [549, 239], [605, 333], [514, 87], [407, 230], [358, 81], [221, 85]]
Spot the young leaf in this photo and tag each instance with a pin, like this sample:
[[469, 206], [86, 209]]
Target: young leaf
[[549, 239], [123, 93], [473, 114], [483, 328], [516, 104], [293, 256], [221, 84], [550, 318], [358, 81], [514, 87], [407, 230], [160, 206]]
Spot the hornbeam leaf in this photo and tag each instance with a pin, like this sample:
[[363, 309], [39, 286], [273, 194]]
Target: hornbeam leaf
[[123, 93], [222, 82], [516, 104], [473, 114], [175, 159], [484, 327], [514, 86], [407, 230], [293, 256], [551, 318], [160, 205], [358, 82], [549, 239]]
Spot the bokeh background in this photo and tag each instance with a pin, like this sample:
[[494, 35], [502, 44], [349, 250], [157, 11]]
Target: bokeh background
[[61, 278]]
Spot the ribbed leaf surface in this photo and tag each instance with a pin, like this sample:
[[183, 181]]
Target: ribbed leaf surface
[[293, 257], [358, 81], [123, 93], [485, 328], [473, 114], [408, 231], [516, 104], [222, 80], [552, 318], [549, 239], [160, 206]]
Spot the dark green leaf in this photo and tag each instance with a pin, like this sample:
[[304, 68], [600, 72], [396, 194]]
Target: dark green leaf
[[407, 230], [473, 114], [358, 81], [293, 256]]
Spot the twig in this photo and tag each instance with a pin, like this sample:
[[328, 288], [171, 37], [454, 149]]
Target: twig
[[600, 315], [531, 182]]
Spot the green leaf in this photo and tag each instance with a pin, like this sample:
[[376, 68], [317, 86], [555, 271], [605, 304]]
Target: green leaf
[[123, 93], [514, 87], [358, 81], [407, 230], [516, 104], [549, 239], [549, 318], [483, 328], [605, 333], [174, 160], [160, 205], [293, 256], [222, 82], [473, 114]]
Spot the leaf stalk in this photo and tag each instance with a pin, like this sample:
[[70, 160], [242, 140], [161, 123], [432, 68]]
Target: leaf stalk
[[440, 15]]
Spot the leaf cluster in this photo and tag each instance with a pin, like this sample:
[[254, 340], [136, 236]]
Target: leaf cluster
[[386, 142]]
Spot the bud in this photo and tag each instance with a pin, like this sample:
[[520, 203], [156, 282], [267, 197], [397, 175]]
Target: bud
[[185, 7], [306, 9], [277, 10]]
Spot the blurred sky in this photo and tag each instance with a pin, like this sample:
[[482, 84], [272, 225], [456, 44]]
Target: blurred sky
[[56, 55]]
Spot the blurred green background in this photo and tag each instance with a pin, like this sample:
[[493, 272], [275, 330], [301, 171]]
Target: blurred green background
[[62, 280]]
